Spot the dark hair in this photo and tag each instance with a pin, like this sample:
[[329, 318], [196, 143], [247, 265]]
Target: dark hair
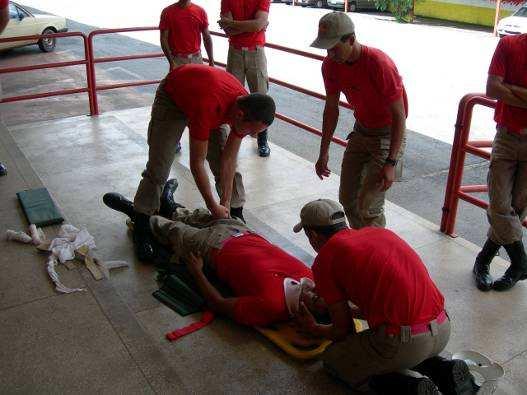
[[258, 107], [328, 230], [347, 37]]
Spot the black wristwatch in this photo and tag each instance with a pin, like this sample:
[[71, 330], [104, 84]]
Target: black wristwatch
[[391, 162]]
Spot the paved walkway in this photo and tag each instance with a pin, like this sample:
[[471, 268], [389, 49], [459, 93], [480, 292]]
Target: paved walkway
[[111, 338]]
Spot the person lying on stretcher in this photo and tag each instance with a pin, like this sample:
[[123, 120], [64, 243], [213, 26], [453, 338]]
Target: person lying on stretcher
[[267, 281]]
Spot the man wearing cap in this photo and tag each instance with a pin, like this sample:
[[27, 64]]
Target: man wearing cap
[[372, 85], [206, 99], [245, 21], [390, 288], [507, 177]]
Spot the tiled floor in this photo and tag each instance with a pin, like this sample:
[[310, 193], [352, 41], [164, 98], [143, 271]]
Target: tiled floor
[[111, 338]]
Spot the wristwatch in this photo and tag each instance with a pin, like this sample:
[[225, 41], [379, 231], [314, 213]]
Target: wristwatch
[[391, 162]]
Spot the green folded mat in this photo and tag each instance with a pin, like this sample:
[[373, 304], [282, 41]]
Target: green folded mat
[[39, 208]]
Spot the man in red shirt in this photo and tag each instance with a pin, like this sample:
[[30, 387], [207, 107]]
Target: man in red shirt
[[182, 24], [260, 274], [267, 282], [507, 178], [390, 288], [372, 85], [244, 21], [205, 99], [4, 20]]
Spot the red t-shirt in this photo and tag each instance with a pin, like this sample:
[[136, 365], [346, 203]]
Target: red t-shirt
[[243, 10], [370, 85], [255, 270], [510, 62], [204, 94], [4, 3], [381, 274], [185, 26]]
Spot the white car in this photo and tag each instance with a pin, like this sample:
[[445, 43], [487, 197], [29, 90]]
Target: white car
[[514, 24], [24, 23], [353, 5]]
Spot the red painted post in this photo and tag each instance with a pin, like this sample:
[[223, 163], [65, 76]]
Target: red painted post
[[92, 78], [454, 190], [89, 84]]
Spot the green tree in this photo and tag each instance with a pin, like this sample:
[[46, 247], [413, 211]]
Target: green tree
[[402, 10]]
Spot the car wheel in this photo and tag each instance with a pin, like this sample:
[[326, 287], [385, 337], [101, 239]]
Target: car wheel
[[352, 6], [47, 44]]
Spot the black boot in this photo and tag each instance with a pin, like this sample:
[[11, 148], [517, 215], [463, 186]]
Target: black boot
[[398, 383], [3, 169], [143, 238], [237, 212], [118, 202], [263, 146], [481, 266], [517, 270], [168, 205], [452, 377]]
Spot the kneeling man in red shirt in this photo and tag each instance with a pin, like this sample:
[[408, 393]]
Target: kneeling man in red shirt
[[389, 287]]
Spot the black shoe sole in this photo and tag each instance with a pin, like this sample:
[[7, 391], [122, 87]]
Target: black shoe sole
[[462, 379], [426, 387], [482, 286], [506, 282], [264, 154]]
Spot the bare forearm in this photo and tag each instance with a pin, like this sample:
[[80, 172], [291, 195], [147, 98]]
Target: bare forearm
[[232, 32], [207, 42], [249, 26], [209, 292], [227, 169], [329, 124], [166, 49], [397, 135], [518, 91], [202, 181], [501, 91]]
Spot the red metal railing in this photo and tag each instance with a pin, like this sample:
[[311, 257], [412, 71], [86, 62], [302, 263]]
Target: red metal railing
[[86, 61], [96, 88], [108, 59], [90, 60], [460, 147]]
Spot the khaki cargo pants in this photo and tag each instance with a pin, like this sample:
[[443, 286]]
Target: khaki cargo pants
[[250, 66], [166, 126], [507, 181], [373, 352], [194, 232], [360, 183]]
